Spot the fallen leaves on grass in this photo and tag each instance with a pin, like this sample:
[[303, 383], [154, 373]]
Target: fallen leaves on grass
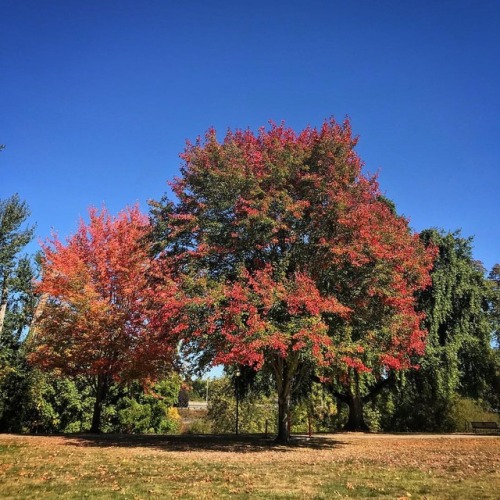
[[402, 467]]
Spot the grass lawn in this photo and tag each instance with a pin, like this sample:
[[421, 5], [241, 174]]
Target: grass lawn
[[334, 466]]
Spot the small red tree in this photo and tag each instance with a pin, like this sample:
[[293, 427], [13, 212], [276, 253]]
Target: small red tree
[[302, 260], [109, 312]]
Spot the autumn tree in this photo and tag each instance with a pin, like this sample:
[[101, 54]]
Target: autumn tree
[[293, 257], [109, 312]]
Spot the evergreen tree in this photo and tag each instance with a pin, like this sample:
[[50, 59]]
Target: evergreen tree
[[17, 305], [14, 268]]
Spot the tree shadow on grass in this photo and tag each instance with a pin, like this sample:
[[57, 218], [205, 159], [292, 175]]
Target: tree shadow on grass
[[202, 442]]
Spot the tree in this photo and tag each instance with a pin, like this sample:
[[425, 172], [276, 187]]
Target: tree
[[494, 284], [17, 304], [494, 315], [458, 359], [109, 310], [13, 238], [292, 257], [17, 314], [356, 388]]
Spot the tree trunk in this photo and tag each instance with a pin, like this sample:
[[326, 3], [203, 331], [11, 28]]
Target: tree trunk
[[356, 421], [37, 313], [102, 386], [353, 399], [283, 372], [287, 372], [283, 436], [3, 302]]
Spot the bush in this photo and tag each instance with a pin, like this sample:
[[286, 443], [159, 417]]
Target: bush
[[53, 404], [134, 417], [200, 426], [466, 410], [150, 413], [172, 423], [253, 410], [373, 417]]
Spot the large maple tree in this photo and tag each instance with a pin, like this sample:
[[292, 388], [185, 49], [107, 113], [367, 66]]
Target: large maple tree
[[108, 313], [293, 257]]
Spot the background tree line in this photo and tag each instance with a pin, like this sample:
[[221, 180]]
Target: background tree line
[[280, 260]]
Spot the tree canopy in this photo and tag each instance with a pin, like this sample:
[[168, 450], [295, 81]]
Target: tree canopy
[[102, 317], [17, 305], [280, 259], [494, 284], [458, 357], [13, 238], [293, 256]]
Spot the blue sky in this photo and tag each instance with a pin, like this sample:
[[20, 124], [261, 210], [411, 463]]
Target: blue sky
[[98, 97]]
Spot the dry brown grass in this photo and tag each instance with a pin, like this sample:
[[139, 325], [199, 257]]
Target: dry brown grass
[[334, 466]]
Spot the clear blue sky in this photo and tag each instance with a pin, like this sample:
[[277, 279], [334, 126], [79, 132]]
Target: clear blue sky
[[99, 96]]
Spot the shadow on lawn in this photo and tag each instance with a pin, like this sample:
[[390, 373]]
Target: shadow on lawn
[[227, 443]]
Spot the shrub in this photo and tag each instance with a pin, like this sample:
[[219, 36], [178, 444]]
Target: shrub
[[134, 417], [466, 410], [200, 426], [253, 410]]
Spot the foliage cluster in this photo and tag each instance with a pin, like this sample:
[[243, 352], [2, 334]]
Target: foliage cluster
[[254, 410], [151, 413]]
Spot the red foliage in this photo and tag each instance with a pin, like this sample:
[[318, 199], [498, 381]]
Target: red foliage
[[248, 323], [300, 251], [102, 316]]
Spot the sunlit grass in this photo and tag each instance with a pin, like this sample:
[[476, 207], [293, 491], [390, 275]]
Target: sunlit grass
[[338, 467]]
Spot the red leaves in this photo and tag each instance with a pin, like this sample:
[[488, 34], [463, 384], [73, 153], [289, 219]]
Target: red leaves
[[102, 315], [355, 363], [309, 257], [304, 297], [259, 314]]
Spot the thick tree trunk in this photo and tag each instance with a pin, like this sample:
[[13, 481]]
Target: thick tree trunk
[[356, 421], [355, 402], [287, 372], [96, 417], [102, 386], [283, 436], [352, 398], [283, 372]]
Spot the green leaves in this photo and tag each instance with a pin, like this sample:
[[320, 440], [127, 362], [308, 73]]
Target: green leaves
[[17, 305], [459, 360], [294, 247], [15, 270]]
